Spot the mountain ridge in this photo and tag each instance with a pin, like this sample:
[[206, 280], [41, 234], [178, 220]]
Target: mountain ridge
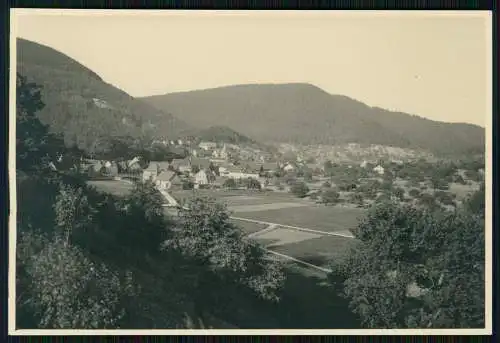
[[82, 106], [306, 114]]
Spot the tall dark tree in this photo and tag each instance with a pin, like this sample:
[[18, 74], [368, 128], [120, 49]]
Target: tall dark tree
[[221, 256], [35, 146], [416, 268]]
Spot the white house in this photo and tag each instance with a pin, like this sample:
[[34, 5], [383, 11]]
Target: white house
[[363, 164], [379, 170], [241, 175], [288, 167], [236, 173], [200, 178]]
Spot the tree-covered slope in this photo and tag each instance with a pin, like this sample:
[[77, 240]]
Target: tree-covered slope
[[84, 107]]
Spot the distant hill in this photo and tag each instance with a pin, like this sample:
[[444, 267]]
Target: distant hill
[[223, 134], [303, 113], [84, 107]]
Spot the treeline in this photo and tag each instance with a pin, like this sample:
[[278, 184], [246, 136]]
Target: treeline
[[128, 147]]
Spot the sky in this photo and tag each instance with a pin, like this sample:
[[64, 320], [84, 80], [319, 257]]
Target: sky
[[433, 64]]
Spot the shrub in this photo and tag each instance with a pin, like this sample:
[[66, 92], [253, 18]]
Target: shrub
[[187, 185], [299, 189], [330, 196], [414, 192], [253, 184]]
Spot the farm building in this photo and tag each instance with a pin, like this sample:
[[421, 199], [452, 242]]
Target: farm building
[[379, 170], [164, 179], [201, 178], [224, 166], [289, 167], [236, 173]]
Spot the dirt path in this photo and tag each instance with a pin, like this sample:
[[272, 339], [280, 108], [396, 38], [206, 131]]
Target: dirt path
[[293, 227]]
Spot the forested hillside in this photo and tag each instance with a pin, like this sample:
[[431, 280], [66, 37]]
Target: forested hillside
[[303, 113], [85, 108]]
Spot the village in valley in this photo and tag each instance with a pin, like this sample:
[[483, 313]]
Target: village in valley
[[220, 166], [167, 198]]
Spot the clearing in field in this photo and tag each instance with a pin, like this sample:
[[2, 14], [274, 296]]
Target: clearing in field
[[322, 218], [281, 236], [114, 187], [318, 251], [462, 191], [248, 227], [266, 207]]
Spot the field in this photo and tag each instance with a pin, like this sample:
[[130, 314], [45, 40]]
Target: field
[[462, 191], [247, 227], [317, 251], [239, 197], [114, 187], [317, 217], [282, 209], [283, 236]]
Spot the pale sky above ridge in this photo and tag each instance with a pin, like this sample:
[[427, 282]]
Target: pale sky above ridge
[[433, 64]]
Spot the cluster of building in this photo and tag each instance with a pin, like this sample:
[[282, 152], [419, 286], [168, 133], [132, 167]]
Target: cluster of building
[[203, 172]]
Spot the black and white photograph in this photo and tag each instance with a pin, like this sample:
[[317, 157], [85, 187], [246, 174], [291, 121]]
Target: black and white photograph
[[247, 172]]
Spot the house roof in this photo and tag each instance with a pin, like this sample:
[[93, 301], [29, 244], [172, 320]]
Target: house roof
[[176, 180], [166, 175], [152, 167], [163, 165], [200, 162], [177, 162]]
